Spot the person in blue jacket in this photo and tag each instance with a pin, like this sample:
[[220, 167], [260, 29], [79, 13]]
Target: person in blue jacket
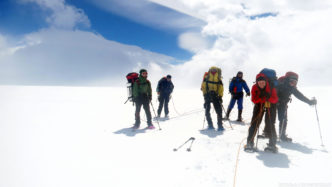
[[164, 89], [236, 89]]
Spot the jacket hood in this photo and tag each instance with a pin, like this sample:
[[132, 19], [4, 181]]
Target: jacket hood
[[260, 76], [292, 75]]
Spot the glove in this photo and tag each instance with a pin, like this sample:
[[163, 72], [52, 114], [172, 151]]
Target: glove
[[135, 99], [267, 104], [150, 97], [313, 101], [248, 93], [159, 99]]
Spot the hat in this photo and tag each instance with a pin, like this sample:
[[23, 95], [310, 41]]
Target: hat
[[260, 77], [141, 71], [291, 75], [169, 76]]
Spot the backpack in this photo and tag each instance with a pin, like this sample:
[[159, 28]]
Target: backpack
[[131, 78], [271, 76], [206, 74]]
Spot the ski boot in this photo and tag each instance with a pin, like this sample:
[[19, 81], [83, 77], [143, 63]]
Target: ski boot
[[210, 127], [136, 126], [150, 126], [284, 138], [220, 128], [250, 147], [239, 118], [271, 148]]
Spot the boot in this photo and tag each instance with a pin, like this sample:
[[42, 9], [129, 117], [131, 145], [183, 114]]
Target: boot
[[239, 117], [271, 148], [220, 127], [284, 138], [249, 147], [210, 126], [227, 114]]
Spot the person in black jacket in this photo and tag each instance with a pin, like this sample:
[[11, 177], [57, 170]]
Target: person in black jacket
[[164, 89], [286, 87]]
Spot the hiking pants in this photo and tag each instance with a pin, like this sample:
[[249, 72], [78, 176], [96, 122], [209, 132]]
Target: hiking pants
[[212, 98], [163, 101], [146, 106]]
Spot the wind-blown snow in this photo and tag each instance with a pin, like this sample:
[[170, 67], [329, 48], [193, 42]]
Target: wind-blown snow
[[78, 136]]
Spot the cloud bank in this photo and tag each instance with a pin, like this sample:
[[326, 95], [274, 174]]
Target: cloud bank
[[295, 37]]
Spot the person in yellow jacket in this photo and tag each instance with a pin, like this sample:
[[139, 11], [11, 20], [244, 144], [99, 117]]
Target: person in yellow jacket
[[212, 88]]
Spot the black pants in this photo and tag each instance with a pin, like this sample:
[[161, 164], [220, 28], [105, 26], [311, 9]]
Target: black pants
[[145, 102], [163, 101], [282, 117], [212, 98], [270, 117], [256, 120]]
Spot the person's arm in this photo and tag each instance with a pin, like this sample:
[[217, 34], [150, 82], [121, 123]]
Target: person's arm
[[301, 97], [246, 88]]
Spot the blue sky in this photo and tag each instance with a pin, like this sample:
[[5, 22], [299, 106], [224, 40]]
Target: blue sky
[[17, 18]]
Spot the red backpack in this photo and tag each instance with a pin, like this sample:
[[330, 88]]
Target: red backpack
[[131, 78]]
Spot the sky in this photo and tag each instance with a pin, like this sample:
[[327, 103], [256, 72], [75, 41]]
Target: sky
[[96, 43]]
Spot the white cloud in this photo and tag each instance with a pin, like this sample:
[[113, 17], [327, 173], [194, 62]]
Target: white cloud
[[63, 16], [297, 39], [63, 57], [148, 13], [193, 42]]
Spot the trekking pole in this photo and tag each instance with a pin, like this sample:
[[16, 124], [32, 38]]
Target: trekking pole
[[227, 120], [203, 121], [155, 115], [192, 141], [321, 139], [191, 138]]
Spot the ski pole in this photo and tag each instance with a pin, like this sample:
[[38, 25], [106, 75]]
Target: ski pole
[[203, 121], [321, 139], [189, 148], [227, 120], [191, 138], [155, 115]]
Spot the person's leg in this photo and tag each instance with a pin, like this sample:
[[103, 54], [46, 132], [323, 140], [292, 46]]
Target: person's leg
[[166, 105], [240, 107], [137, 113], [161, 103], [146, 106], [255, 122], [217, 107]]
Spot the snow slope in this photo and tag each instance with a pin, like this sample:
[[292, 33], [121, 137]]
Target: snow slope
[[78, 136]]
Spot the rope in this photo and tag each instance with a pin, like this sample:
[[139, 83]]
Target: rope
[[175, 108], [237, 161]]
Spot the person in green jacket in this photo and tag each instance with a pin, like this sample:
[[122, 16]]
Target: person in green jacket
[[142, 95]]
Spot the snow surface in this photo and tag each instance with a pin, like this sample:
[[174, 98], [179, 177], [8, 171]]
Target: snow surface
[[81, 136]]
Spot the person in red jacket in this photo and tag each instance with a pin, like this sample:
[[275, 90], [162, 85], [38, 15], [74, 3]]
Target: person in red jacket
[[263, 96]]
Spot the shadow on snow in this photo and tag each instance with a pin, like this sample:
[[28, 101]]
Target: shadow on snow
[[211, 133], [296, 146], [274, 160], [130, 131]]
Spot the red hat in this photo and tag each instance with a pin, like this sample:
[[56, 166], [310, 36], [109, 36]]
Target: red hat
[[260, 76], [292, 75]]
